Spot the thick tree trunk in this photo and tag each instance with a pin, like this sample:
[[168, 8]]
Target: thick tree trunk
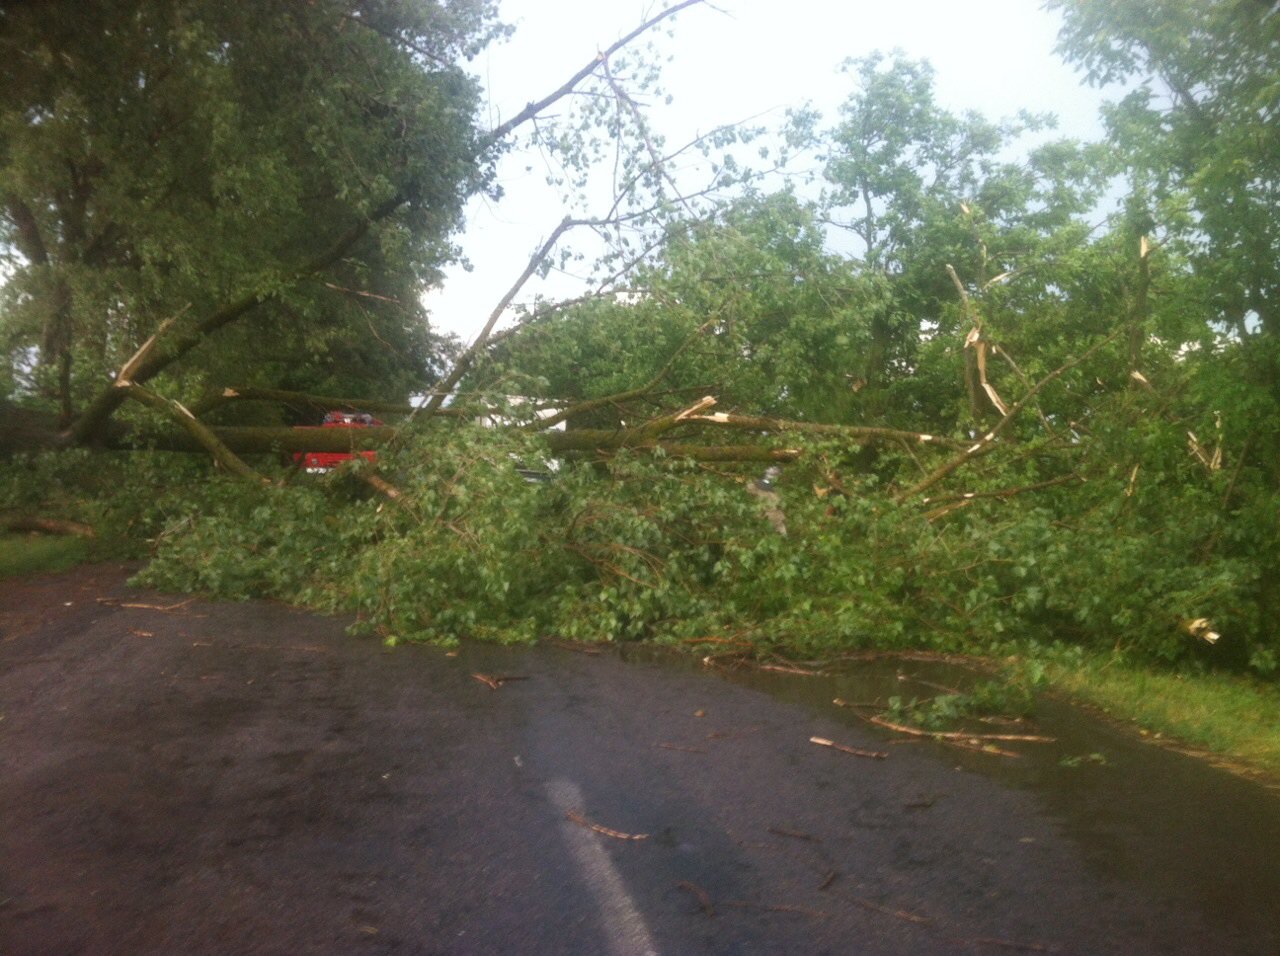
[[261, 440]]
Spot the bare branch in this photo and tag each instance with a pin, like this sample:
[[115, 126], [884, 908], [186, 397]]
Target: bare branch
[[659, 167], [305, 400], [856, 432], [466, 358], [986, 441], [1004, 492], [533, 109]]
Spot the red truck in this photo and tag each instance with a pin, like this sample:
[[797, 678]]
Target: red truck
[[318, 462]]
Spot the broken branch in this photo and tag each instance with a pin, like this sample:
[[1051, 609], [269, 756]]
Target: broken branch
[[777, 908], [493, 682], [582, 821], [20, 523], [533, 109], [223, 455], [957, 734], [986, 440], [855, 751], [701, 895]]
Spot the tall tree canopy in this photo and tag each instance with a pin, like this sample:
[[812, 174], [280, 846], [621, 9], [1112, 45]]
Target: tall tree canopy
[[162, 160], [1202, 120]]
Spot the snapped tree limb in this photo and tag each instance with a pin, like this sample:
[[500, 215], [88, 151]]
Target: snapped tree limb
[[986, 441], [198, 431]]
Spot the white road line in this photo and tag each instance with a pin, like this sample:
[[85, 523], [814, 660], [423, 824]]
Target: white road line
[[625, 929]]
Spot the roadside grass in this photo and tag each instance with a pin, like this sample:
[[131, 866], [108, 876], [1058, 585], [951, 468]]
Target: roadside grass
[[32, 554], [1236, 717]]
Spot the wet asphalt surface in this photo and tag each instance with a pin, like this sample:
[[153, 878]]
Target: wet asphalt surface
[[223, 778]]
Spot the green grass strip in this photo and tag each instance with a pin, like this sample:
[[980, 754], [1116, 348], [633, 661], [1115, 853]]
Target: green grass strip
[[33, 554], [1234, 716]]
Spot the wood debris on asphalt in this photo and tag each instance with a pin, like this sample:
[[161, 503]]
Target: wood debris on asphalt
[[958, 734], [889, 911], [855, 751], [582, 821], [977, 746], [494, 681], [686, 750], [701, 895], [168, 608], [794, 834], [864, 705], [1008, 944], [784, 669], [777, 908]]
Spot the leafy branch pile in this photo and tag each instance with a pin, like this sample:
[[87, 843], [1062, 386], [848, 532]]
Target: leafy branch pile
[[990, 413]]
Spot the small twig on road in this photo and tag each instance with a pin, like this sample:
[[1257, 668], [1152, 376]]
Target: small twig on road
[[686, 750], [493, 682], [830, 878], [855, 704], [777, 908], [782, 669], [794, 834], [958, 734], [576, 648], [900, 914], [980, 748], [116, 602], [701, 895], [1008, 944], [873, 754], [582, 821]]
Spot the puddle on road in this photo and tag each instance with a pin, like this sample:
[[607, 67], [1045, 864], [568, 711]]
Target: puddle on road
[[1141, 814]]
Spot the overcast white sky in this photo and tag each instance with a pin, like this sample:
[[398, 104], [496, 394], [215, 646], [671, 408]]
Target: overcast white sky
[[741, 59]]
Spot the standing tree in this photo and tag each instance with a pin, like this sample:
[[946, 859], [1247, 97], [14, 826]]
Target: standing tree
[[189, 164], [1199, 135]]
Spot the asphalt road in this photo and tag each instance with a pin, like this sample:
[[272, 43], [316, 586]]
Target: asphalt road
[[222, 778]]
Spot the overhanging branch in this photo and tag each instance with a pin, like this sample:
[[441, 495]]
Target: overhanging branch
[[533, 109]]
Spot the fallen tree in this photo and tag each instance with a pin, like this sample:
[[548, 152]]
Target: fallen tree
[[936, 491]]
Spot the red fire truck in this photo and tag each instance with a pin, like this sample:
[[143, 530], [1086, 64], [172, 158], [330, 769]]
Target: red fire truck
[[318, 462]]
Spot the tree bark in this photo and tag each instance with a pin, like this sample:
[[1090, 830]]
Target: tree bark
[[20, 523], [197, 431]]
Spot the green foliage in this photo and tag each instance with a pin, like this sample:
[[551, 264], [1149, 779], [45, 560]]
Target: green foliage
[[162, 159], [990, 698], [747, 305], [1134, 492], [1198, 128], [125, 497]]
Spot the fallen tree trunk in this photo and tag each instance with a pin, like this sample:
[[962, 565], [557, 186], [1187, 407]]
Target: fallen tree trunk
[[196, 430], [264, 440], [307, 400], [22, 523]]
